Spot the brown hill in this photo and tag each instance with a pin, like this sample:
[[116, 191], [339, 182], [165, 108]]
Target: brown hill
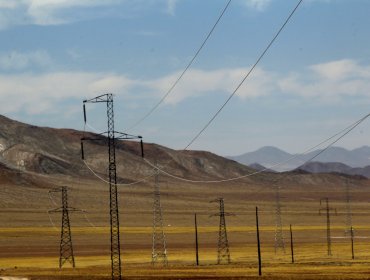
[[57, 152], [37, 158]]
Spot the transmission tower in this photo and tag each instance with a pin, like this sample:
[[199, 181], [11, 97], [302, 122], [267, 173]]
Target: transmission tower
[[223, 252], [328, 233], [348, 230], [159, 251], [279, 238], [112, 137], [66, 248]]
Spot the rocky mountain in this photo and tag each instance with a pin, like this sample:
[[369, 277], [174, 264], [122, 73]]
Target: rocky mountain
[[43, 151], [270, 156], [335, 167]]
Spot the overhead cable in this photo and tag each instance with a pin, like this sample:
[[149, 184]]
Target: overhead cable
[[245, 77], [183, 72], [337, 137]]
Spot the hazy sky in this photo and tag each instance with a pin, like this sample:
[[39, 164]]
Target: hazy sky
[[313, 82]]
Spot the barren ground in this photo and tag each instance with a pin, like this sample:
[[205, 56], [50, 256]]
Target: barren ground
[[29, 242]]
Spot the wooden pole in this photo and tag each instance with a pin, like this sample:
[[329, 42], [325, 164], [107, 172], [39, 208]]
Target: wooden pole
[[196, 240], [291, 243], [258, 245], [352, 237]]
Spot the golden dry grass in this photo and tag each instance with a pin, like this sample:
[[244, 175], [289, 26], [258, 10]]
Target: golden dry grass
[[28, 242]]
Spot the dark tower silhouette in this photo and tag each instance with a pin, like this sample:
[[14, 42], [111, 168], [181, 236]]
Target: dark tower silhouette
[[223, 251], [66, 248], [112, 137], [328, 232]]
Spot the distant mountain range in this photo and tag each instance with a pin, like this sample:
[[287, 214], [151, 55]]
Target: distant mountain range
[[335, 167], [279, 160]]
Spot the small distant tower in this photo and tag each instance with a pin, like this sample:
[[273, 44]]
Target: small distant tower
[[223, 252], [328, 232], [159, 251], [66, 248], [348, 230], [279, 237]]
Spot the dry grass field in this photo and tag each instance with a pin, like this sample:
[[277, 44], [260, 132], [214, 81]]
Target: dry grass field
[[29, 242]]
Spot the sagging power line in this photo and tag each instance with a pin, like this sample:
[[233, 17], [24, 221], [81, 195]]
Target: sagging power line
[[170, 90], [244, 78], [337, 136]]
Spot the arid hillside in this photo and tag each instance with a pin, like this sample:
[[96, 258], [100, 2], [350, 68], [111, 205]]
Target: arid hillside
[[36, 159]]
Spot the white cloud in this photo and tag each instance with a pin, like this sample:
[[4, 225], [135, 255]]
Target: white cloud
[[330, 81], [56, 12], [259, 5], [201, 82], [15, 60], [326, 82], [171, 6], [36, 94], [47, 12]]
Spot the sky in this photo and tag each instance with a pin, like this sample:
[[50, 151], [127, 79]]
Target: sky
[[313, 82]]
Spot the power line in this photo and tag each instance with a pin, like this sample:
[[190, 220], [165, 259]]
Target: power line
[[342, 133], [245, 77], [183, 72], [339, 136]]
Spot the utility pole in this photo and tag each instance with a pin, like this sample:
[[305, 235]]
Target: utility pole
[[66, 248], [159, 251], [352, 241], [196, 240], [223, 252], [111, 137], [258, 244], [279, 238], [291, 243], [327, 210]]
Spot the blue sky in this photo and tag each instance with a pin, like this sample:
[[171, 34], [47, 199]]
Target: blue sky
[[313, 82]]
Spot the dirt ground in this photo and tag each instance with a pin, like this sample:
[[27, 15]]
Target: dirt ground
[[29, 236]]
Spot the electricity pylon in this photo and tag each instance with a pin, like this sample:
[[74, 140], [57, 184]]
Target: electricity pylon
[[112, 137], [223, 251], [66, 248], [328, 233], [159, 250], [279, 238], [348, 230]]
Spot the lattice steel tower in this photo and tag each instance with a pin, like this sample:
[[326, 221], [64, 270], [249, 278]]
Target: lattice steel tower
[[112, 136], [328, 232], [66, 248], [348, 230], [279, 237], [159, 250], [223, 252]]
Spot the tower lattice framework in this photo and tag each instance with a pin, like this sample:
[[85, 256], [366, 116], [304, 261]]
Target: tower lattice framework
[[327, 210], [159, 250], [279, 236], [112, 137], [349, 226], [223, 251], [66, 247]]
